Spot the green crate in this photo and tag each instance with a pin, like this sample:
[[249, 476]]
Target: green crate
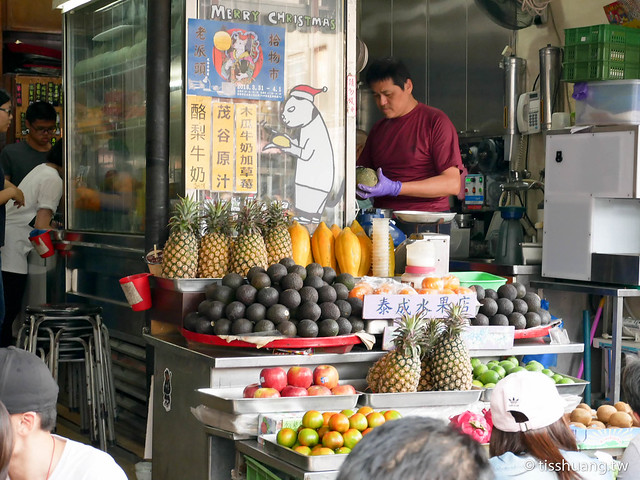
[[484, 279], [589, 71], [605, 33], [604, 52], [257, 471]]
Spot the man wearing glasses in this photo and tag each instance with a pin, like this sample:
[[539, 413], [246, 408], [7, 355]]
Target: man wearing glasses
[[20, 158]]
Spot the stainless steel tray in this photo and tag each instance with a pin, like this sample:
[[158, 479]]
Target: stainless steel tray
[[419, 399], [576, 388], [230, 400], [185, 285], [319, 463]]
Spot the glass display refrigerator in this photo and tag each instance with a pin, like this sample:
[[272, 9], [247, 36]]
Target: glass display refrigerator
[[262, 102]]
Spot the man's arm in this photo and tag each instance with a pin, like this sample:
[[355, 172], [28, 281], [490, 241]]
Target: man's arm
[[43, 219], [447, 183], [11, 192]]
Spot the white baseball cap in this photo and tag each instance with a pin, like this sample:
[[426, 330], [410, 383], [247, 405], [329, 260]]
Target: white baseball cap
[[525, 401]]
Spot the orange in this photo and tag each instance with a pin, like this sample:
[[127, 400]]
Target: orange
[[351, 437], [446, 291], [312, 419], [286, 437], [360, 290], [366, 431], [332, 440], [365, 410], [302, 449], [308, 437], [348, 412], [358, 421], [374, 419], [322, 451], [384, 288], [322, 430], [428, 291], [463, 290], [391, 415], [408, 290], [451, 281], [327, 415], [343, 451], [432, 282], [339, 423]]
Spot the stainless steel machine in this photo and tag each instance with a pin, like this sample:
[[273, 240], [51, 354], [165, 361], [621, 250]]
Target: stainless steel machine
[[592, 205]]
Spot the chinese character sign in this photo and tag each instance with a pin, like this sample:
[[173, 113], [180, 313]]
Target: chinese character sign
[[197, 143], [223, 147], [235, 60], [431, 306], [246, 128]]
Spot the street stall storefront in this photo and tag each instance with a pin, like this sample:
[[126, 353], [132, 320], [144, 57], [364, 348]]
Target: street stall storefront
[[268, 301]]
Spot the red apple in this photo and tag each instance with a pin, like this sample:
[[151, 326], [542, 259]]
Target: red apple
[[292, 391], [344, 390], [315, 390], [300, 377], [325, 375], [273, 378], [249, 390], [266, 393]]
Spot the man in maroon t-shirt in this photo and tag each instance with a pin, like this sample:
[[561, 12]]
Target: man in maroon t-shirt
[[414, 148]]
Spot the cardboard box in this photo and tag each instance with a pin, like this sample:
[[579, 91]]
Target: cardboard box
[[489, 337], [270, 423], [594, 439]]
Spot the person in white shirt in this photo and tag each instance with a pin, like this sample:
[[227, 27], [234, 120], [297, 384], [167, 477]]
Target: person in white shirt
[[630, 468], [30, 394], [42, 188]]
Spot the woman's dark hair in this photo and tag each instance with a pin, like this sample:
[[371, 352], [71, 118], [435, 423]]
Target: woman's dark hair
[[414, 448], [55, 154], [631, 383], [387, 68], [6, 441], [543, 443], [4, 96]]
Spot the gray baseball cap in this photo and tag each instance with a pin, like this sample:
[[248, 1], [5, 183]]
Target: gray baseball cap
[[26, 384]]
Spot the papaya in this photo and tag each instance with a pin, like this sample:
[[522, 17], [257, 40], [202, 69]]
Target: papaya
[[348, 252], [365, 253], [335, 229], [323, 246], [301, 244]]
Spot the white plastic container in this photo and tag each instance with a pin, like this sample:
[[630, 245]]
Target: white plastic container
[[611, 102], [143, 470], [380, 247], [414, 275]]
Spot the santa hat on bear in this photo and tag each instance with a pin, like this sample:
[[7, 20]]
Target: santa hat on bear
[[306, 92]]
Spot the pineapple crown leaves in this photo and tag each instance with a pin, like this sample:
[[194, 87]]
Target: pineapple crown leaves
[[278, 215], [434, 329], [185, 216], [251, 217], [217, 217], [409, 337], [456, 320]]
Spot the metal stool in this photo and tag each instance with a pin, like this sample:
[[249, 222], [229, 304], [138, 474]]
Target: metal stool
[[75, 334]]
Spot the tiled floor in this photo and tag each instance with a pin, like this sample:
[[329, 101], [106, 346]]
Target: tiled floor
[[125, 458]]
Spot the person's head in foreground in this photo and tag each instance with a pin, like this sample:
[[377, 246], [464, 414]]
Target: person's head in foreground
[[528, 417], [631, 385], [6, 441], [415, 448]]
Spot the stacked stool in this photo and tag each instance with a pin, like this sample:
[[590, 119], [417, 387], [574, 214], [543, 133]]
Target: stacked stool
[[74, 334]]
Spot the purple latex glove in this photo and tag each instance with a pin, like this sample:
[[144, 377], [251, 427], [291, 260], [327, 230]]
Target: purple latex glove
[[384, 187]]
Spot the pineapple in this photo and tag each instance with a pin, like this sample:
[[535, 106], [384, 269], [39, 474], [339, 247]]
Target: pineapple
[[450, 362], [277, 238], [215, 247], [401, 369], [180, 253], [432, 333], [249, 249], [375, 373]]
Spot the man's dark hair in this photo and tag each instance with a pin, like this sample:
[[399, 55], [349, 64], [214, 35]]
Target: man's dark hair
[[40, 111], [4, 96], [48, 418], [387, 68], [416, 448], [631, 383]]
